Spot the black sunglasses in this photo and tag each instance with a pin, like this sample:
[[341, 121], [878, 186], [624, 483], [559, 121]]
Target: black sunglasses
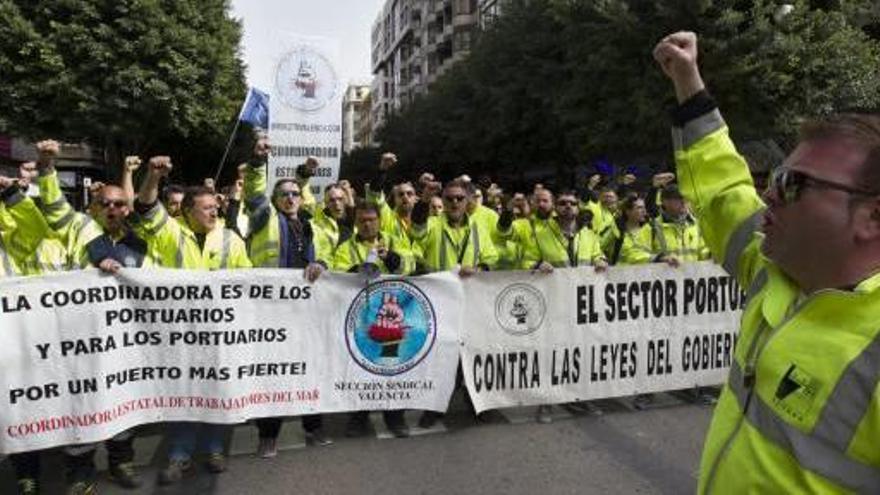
[[788, 184], [118, 203]]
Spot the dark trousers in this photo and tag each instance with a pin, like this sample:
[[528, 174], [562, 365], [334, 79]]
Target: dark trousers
[[271, 427], [26, 464], [82, 466]]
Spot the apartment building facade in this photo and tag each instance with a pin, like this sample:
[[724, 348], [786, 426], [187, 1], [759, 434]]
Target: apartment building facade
[[414, 42], [355, 109]]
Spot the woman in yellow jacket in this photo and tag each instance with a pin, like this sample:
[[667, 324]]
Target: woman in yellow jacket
[[634, 246]]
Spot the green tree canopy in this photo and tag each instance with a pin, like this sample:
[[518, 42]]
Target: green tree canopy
[[560, 82], [130, 76]]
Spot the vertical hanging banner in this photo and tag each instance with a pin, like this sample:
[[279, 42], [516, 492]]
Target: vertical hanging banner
[[305, 117], [532, 339]]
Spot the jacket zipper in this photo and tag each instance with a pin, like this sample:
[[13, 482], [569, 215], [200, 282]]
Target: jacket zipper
[[750, 377]]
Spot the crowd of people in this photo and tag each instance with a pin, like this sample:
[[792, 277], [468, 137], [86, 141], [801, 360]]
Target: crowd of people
[[419, 227]]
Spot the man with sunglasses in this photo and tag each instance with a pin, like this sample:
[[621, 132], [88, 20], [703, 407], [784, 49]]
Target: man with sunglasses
[[280, 238], [800, 412], [104, 241], [453, 240], [552, 239]]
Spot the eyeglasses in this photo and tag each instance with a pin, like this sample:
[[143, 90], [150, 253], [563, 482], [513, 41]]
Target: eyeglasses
[[287, 194], [788, 184], [566, 202], [119, 203], [454, 199]]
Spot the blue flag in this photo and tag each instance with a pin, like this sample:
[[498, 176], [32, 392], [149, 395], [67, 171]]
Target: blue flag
[[255, 110], [603, 166]]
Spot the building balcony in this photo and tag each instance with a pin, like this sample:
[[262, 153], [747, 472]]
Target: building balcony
[[464, 20]]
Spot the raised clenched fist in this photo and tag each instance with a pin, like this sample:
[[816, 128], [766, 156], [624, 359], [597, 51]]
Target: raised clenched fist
[[663, 179], [48, 148], [388, 161], [132, 163], [677, 56], [426, 178], [161, 165], [312, 164]]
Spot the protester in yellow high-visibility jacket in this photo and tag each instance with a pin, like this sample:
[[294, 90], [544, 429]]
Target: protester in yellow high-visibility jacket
[[280, 237], [521, 231], [800, 412], [196, 242], [32, 251], [372, 252], [331, 223], [8, 266], [395, 222], [635, 243], [558, 241], [676, 232], [388, 253], [453, 239], [27, 244], [635, 246], [604, 210], [74, 229]]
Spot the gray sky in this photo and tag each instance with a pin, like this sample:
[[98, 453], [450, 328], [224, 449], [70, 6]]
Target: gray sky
[[348, 21]]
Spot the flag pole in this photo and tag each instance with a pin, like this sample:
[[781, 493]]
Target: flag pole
[[226, 151]]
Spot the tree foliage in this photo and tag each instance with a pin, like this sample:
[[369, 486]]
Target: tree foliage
[[557, 83], [130, 76]]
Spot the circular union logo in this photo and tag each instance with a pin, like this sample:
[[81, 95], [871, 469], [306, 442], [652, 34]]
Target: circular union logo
[[305, 79], [520, 309], [390, 327]]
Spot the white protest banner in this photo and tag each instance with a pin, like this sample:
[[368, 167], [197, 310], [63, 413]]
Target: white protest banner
[[86, 356], [305, 107], [577, 335]]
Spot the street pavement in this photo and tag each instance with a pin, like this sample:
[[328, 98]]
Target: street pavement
[[623, 451]]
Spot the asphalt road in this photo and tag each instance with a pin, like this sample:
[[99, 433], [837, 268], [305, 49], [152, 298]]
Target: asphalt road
[[623, 451]]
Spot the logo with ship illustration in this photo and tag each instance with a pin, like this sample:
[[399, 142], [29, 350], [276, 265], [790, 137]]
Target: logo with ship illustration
[[305, 79], [390, 327]]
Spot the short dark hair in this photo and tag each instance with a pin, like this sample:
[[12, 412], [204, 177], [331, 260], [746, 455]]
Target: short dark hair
[[567, 192], [172, 189], [364, 205], [277, 186], [193, 193], [459, 184], [863, 128], [630, 201]]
